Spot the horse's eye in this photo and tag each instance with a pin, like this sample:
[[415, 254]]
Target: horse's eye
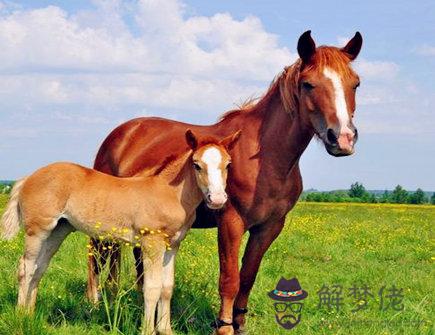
[[308, 86], [228, 165], [356, 86], [196, 166]]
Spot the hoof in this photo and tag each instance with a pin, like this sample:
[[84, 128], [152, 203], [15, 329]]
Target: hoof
[[94, 297], [224, 330]]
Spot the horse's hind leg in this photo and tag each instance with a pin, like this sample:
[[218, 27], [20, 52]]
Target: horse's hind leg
[[50, 247]]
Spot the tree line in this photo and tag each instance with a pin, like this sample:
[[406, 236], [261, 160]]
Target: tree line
[[358, 193]]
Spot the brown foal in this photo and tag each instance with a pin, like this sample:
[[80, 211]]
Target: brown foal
[[314, 96], [153, 211]]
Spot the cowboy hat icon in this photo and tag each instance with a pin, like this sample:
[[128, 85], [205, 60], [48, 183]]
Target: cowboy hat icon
[[288, 290], [288, 306]]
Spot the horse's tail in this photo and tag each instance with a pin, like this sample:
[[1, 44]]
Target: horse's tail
[[10, 221]]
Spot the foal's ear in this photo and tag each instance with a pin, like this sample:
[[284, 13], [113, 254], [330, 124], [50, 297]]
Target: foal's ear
[[191, 139], [353, 47], [229, 141], [306, 47]]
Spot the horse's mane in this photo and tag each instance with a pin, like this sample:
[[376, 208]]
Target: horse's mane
[[286, 82], [280, 84]]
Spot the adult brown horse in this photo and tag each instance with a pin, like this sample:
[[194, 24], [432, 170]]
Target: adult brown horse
[[315, 95]]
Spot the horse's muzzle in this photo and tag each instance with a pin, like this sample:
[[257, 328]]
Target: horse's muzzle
[[341, 144]]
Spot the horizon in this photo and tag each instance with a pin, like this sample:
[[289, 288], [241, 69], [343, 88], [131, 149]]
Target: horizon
[[73, 71], [313, 189]]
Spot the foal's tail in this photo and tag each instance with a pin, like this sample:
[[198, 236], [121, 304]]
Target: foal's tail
[[10, 222]]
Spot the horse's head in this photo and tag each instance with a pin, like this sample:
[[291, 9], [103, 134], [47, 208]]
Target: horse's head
[[327, 86], [210, 160]]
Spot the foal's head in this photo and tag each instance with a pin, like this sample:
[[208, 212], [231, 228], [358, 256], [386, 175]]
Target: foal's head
[[210, 161], [327, 86]]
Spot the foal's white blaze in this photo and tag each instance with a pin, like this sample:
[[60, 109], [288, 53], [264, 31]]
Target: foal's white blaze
[[212, 158], [340, 100]]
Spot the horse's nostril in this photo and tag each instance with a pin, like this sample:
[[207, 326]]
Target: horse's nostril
[[330, 135], [208, 197]]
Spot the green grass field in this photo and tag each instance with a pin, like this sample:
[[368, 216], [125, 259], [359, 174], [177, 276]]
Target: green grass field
[[322, 244]]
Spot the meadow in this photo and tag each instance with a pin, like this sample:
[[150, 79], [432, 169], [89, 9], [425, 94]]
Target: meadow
[[372, 245]]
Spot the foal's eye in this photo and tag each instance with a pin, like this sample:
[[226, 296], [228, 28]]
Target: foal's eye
[[356, 86], [308, 86], [228, 165], [196, 166]]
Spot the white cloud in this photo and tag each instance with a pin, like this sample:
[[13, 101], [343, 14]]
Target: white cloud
[[87, 71], [372, 70], [376, 70], [145, 54], [426, 50], [48, 39]]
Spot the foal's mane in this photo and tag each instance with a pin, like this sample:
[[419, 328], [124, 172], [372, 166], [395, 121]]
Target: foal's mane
[[286, 83], [172, 160]]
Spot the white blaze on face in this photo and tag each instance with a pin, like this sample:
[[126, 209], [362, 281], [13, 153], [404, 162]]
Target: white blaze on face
[[340, 100], [212, 158]]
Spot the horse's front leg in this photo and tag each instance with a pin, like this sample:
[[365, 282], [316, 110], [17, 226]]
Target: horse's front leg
[[153, 250], [230, 232], [164, 307], [260, 239]]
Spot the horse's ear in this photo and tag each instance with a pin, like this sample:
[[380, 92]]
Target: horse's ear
[[353, 47], [191, 139], [229, 141], [306, 47]]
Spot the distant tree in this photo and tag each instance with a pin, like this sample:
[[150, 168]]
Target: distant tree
[[371, 198], [418, 197], [399, 195], [432, 199], [385, 197], [357, 190]]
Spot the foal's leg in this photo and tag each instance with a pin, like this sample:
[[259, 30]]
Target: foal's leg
[[164, 307], [93, 271], [50, 247], [114, 267], [33, 243], [96, 261], [153, 253]]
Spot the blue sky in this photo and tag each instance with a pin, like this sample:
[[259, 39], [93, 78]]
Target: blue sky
[[73, 70]]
